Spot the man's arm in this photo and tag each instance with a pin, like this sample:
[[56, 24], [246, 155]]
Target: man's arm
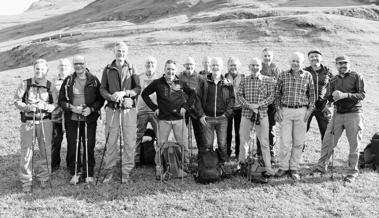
[[230, 102], [150, 89], [278, 92], [241, 94], [104, 87], [270, 85], [311, 90], [99, 99], [62, 100], [20, 91], [137, 86], [360, 86]]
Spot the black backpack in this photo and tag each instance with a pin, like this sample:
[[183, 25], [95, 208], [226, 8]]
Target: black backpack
[[369, 157], [147, 149], [171, 159], [208, 170]]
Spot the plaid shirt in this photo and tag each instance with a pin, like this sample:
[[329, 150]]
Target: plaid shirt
[[295, 89], [256, 90], [270, 70]]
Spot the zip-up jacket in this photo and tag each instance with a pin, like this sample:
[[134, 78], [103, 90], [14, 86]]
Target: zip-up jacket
[[351, 83], [170, 98], [217, 100], [112, 82], [236, 81], [92, 96], [321, 80]]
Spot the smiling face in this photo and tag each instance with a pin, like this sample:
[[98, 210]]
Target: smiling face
[[255, 66], [233, 66], [207, 64], [170, 71], [189, 66], [296, 61], [343, 67], [315, 59], [267, 56], [216, 66], [150, 65], [121, 52], [40, 71]]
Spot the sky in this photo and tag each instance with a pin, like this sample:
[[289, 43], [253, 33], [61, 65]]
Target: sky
[[11, 7]]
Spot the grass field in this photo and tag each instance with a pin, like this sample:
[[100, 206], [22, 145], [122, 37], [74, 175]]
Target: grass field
[[234, 197]]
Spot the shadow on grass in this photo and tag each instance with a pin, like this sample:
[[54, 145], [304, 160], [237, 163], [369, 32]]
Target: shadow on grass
[[142, 183]]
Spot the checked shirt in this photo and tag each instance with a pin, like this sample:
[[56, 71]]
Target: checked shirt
[[256, 90], [295, 89]]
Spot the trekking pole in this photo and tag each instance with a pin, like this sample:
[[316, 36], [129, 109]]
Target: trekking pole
[[333, 141], [183, 131], [33, 144], [159, 151], [86, 148], [105, 147], [44, 145], [120, 123], [77, 151], [190, 137]]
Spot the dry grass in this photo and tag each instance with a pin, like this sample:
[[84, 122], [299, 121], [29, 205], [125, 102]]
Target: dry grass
[[235, 197]]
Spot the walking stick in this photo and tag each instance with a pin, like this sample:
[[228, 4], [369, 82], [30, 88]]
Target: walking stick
[[190, 138], [77, 150], [333, 141], [183, 131], [120, 123], [33, 144], [44, 145], [251, 155], [160, 167], [86, 148], [105, 147]]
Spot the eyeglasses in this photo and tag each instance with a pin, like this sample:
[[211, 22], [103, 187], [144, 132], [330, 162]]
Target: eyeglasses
[[79, 64]]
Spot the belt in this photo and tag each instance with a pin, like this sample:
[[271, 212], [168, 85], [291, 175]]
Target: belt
[[294, 106]]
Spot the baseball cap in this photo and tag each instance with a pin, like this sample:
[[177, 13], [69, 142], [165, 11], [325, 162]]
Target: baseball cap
[[342, 58], [78, 59], [314, 51]]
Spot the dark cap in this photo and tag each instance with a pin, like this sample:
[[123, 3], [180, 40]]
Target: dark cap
[[314, 51], [342, 58]]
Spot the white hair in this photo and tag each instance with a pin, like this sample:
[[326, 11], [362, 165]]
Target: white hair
[[297, 55], [40, 61], [217, 60], [235, 60], [206, 58], [255, 59], [121, 44], [151, 59], [64, 61], [189, 60]]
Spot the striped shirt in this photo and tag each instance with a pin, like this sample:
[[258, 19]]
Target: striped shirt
[[256, 90], [295, 89]]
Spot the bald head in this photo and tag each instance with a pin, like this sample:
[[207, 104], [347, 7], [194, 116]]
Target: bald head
[[296, 61], [189, 65], [255, 66]]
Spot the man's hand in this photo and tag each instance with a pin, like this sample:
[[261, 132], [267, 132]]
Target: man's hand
[[31, 107], [41, 105], [327, 111], [182, 112], [279, 115], [117, 96], [203, 120], [156, 112], [86, 111], [308, 114], [338, 95], [77, 109]]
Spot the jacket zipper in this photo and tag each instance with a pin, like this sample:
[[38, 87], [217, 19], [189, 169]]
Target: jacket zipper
[[215, 98]]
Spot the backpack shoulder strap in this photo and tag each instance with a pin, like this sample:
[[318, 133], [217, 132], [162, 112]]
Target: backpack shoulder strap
[[48, 89], [28, 85]]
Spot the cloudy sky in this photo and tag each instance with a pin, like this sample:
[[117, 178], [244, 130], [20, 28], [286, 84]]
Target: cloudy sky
[[10, 7]]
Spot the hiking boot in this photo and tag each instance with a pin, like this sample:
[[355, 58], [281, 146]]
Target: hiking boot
[[89, 180], [181, 173], [75, 180], [158, 173], [295, 175], [281, 173], [317, 171], [125, 179], [26, 188], [108, 178], [43, 184], [349, 178]]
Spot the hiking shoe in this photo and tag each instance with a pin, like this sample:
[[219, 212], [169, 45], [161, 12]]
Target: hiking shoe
[[181, 173], [89, 180], [317, 171], [281, 173], [108, 178], [26, 188], [74, 180], [349, 178], [43, 184], [295, 175]]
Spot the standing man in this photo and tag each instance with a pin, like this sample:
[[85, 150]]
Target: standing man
[[321, 77], [57, 117], [196, 82], [217, 99], [256, 92], [171, 108], [235, 77], [81, 101], [271, 70], [206, 67], [144, 114], [120, 86], [36, 98], [347, 91], [295, 97]]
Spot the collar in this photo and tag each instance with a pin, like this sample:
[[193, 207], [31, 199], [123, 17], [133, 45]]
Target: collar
[[176, 79], [42, 83], [345, 74], [259, 76], [114, 65], [301, 72]]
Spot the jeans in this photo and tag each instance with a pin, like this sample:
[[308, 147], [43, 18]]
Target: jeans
[[56, 145], [322, 121], [292, 137], [180, 134], [142, 120], [353, 124], [271, 131], [41, 165], [219, 125], [237, 121], [71, 136]]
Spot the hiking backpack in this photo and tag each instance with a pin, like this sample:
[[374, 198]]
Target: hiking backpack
[[147, 149], [369, 157], [171, 159], [208, 170]]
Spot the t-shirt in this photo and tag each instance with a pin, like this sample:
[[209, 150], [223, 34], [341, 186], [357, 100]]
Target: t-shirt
[[144, 82], [79, 99]]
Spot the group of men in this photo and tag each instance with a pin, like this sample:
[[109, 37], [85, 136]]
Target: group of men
[[210, 100]]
